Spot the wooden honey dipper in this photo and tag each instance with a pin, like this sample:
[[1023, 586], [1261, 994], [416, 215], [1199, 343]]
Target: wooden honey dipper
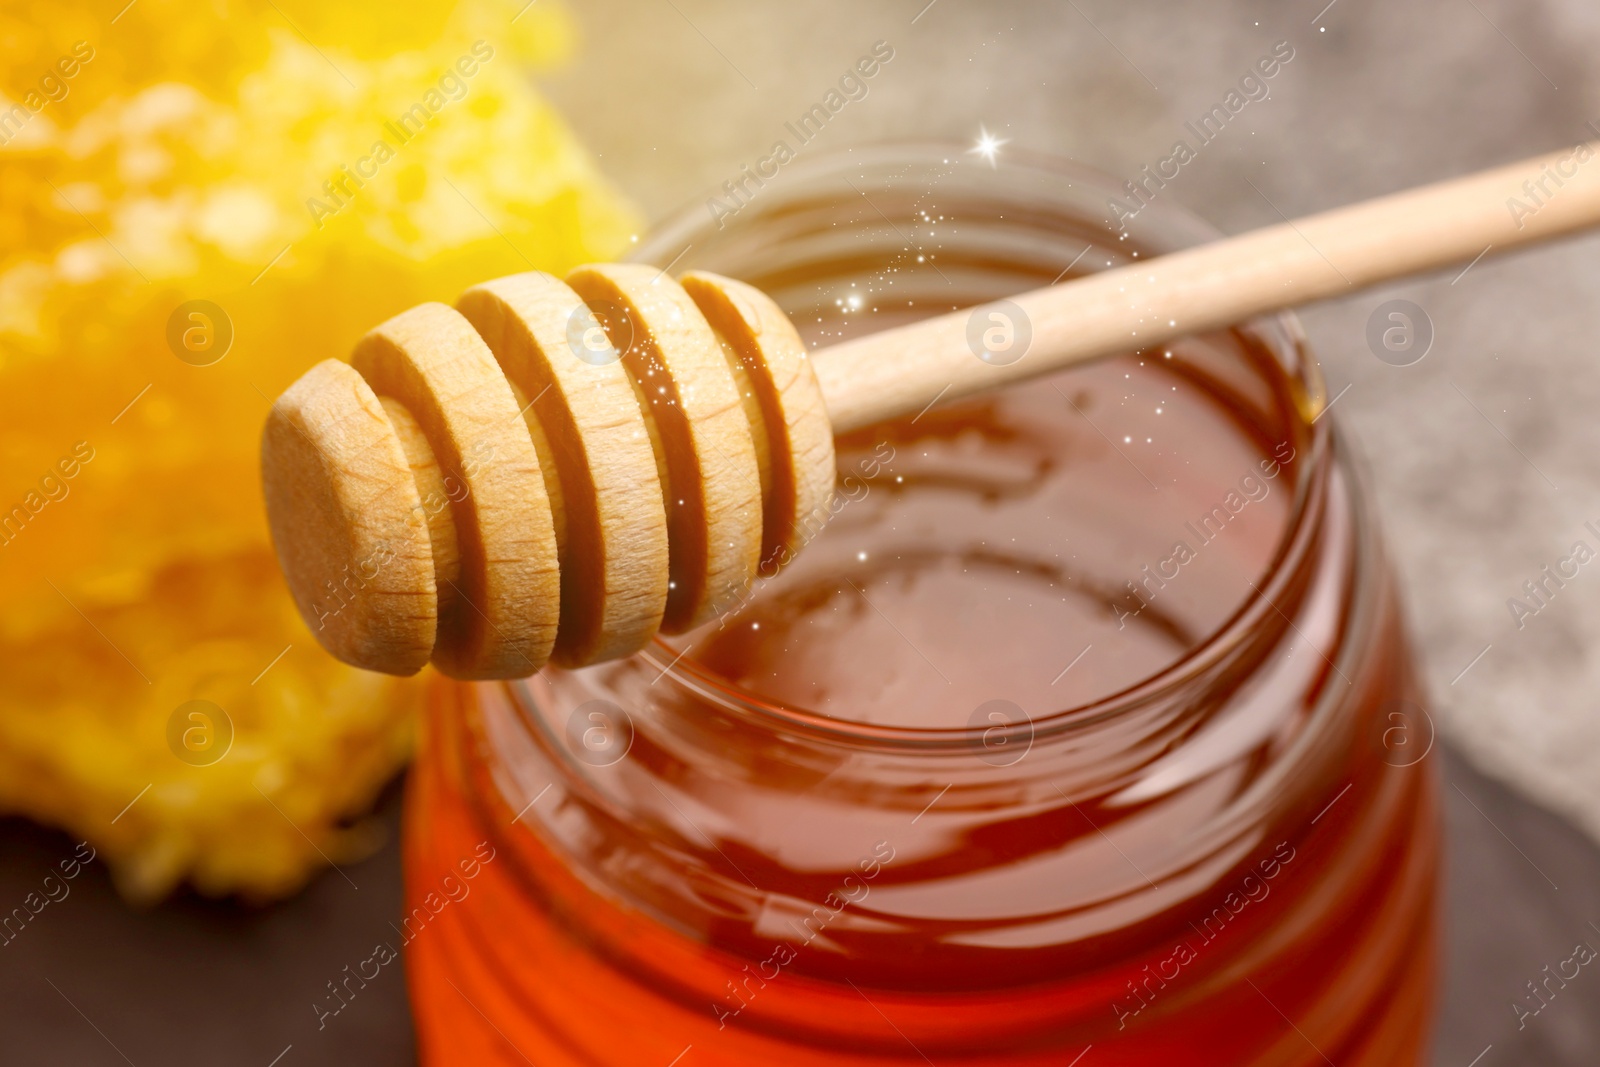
[[554, 471]]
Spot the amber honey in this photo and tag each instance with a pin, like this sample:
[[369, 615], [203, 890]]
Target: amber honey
[[1071, 735]]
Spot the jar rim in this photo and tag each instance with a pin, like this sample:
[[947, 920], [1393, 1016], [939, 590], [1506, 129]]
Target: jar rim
[[1279, 332]]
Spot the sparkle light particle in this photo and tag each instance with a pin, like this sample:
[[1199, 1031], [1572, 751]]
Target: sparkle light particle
[[988, 145]]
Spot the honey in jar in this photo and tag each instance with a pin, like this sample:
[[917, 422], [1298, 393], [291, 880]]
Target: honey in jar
[[1071, 737]]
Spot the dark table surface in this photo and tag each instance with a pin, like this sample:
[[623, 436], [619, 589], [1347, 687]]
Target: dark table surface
[[91, 981]]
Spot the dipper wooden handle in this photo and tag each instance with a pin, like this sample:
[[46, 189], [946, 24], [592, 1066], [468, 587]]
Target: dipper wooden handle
[[553, 471]]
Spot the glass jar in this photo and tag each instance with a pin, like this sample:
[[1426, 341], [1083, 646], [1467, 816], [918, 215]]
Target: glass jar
[[1085, 732]]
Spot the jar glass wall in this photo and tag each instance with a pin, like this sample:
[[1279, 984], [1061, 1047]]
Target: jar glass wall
[[1088, 720]]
